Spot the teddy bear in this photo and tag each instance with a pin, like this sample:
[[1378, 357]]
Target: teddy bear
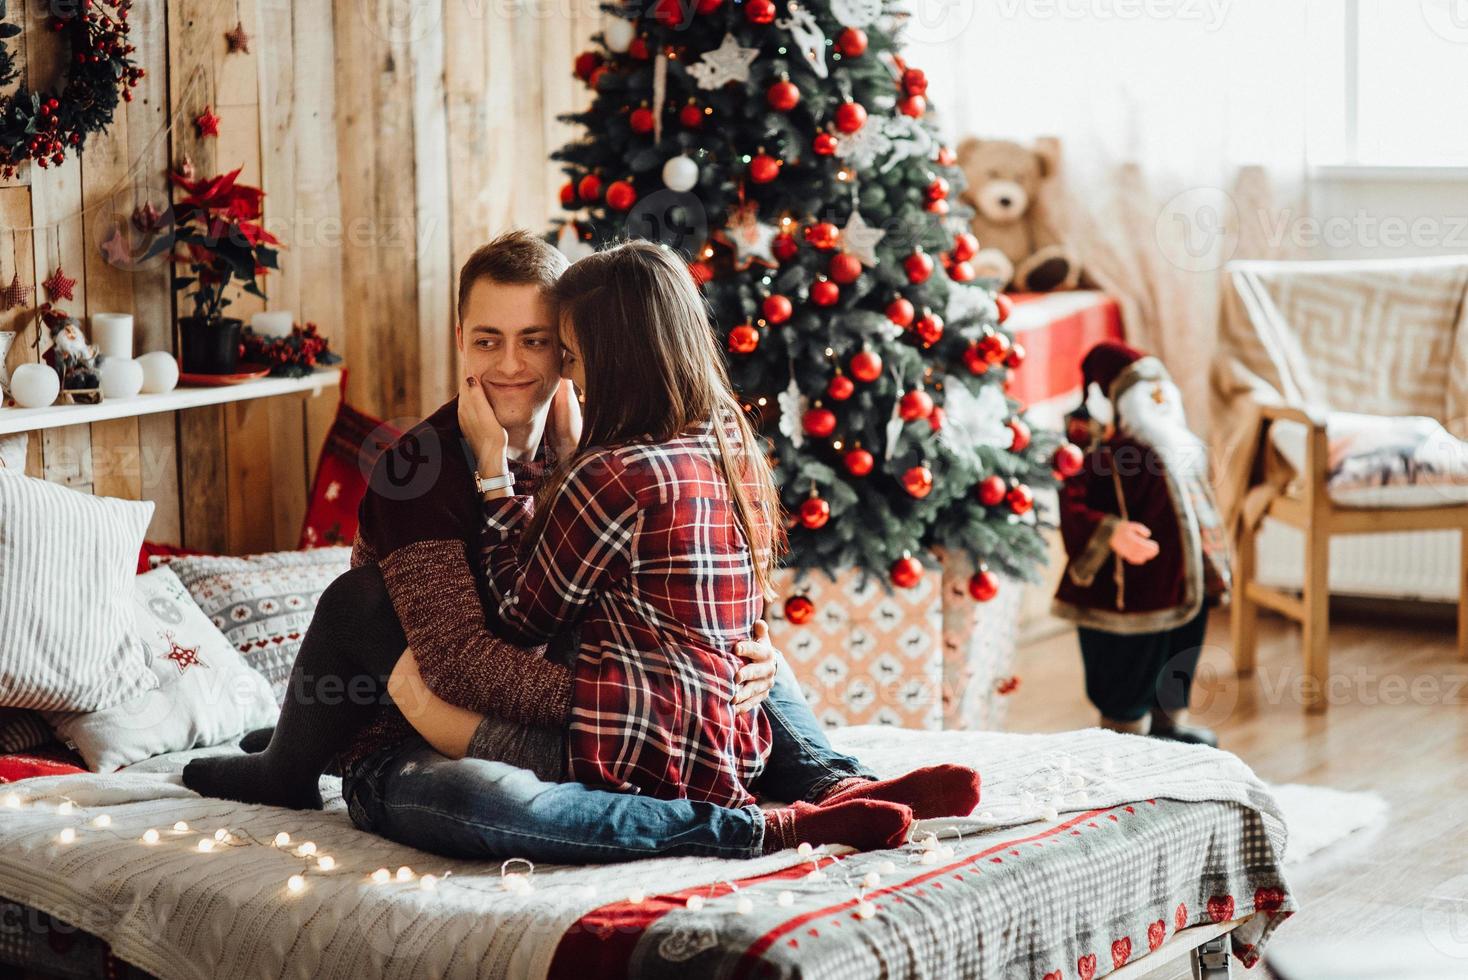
[[1019, 249]]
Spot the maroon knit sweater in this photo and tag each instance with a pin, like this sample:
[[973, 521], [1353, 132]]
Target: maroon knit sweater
[[420, 522]]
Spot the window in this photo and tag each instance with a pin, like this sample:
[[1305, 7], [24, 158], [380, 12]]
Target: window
[[1390, 83]]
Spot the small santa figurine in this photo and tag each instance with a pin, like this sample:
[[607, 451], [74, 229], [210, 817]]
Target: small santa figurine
[[1147, 551]]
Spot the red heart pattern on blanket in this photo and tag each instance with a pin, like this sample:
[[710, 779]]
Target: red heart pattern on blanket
[[1180, 917], [1268, 899], [1086, 966], [1054, 975], [1221, 908], [1121, 951], [1156, 932]]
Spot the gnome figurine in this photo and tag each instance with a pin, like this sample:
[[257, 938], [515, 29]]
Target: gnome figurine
[[1147, 551]]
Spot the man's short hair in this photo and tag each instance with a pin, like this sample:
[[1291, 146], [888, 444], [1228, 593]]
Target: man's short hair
[[516, 258]]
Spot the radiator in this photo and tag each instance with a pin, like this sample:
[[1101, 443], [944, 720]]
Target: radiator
[[1398, 565]]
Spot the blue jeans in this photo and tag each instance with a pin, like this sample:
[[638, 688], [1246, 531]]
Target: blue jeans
[[473, 808]]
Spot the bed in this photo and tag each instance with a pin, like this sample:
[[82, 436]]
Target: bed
[[1092, 854]]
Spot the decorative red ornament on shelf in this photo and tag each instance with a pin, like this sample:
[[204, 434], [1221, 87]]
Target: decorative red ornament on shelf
[[859, 462], [906, 572], [743, 339], [914, 405], [819, 422], [866, 366], [776, 308], [983, 585], [814, 513], [840, 387], [991, 490], [918, 481], [799, 610]]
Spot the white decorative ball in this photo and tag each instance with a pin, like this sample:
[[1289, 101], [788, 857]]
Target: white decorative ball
[[34, 385], [160, 372], [680, 174], [121, 378], [619, 34]]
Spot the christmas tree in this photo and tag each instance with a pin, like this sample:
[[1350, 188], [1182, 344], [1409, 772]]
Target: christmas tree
[[785, 149]]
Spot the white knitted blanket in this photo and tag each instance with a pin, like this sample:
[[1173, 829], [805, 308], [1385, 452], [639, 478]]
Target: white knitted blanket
[[186, 914]]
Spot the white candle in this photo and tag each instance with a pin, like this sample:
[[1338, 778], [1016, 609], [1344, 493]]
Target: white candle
[[113, 334], [276, 323]]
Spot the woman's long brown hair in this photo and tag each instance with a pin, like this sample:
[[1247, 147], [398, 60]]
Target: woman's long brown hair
[[653, 371]]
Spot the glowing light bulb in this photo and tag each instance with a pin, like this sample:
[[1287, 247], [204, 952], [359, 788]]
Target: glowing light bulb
[[381, 876], [805, 849], [282, 839], [405, 873], [102, 821], [837, 444], [181, 826], [307, 849], [744, 906], [326, 862], [205, 846], [150, 836], [65, 807], [12, 801], [694, 903], [785, 899], [762, 401], [295, 883], [428, 883], [887, 867], [67, 835], [221, 835], [929, 857], [866, 909], [637, 896], [871, 879]]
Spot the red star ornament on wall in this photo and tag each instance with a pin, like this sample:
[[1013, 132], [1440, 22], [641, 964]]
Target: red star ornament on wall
[[206, 123], [237, 39], [59, 285], [15, 294]]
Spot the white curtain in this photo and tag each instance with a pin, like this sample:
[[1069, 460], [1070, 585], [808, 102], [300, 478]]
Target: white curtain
[[1182, 125]]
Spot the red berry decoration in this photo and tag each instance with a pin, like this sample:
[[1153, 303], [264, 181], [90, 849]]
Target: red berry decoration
[[961, 272], [1068, 459], [850, 116], [1004, 305], [814, 513], [1021, 435], [930, 328], [799, 610], [973, 359], [783, 96], [589, 189], [641, 120], [983, 585], [785, 247], [691, 116], [914, 106], [1015, 357], [845, 268], [918, 481], [568, 194], [823, 235], [621, 195], [743, 339], [852, 42], [824, 145], [764, 168], [586, 63], [776, 308], [919, 267], [900, 311], [1020, 498], [818, 422], [840, 387], [965, 246], [991, 490], [906, 572], [824, 292], [914, 82], [914, 405], [866, 366], [760, 12], [859, 462]]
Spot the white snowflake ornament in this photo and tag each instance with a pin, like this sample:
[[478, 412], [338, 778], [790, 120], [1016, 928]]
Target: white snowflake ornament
[[727, 63], [856, 13], [864, 147], [972, 420], [907, 138], [792, 412]]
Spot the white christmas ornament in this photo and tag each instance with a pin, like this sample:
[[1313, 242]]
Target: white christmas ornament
[[856, 13], [121, 377], [860, 239], [907, 138], [808, 37], [570, 243], [680, 173], [971, 421], [792, 411], [727, 63], [864, 147], [619, 35]]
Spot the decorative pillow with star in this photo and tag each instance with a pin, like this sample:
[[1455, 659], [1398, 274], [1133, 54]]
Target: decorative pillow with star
[[206, 694]]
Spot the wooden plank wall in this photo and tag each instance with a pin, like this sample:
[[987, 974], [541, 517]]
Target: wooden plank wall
[[391, 140]]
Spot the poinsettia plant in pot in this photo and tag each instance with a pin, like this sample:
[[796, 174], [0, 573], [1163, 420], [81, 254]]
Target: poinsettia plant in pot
[[218, 235]]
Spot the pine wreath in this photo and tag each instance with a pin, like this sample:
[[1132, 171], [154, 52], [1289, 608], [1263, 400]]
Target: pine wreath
[[42, 126]]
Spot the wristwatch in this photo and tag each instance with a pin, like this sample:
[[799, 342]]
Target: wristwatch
[[488, 484]]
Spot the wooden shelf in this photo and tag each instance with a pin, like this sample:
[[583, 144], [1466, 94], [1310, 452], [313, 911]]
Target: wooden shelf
[[55, 416]]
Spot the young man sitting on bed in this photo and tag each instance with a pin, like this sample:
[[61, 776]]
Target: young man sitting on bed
[[414, 584]]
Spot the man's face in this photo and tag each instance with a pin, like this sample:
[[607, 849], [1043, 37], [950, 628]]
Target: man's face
[[508, 339]]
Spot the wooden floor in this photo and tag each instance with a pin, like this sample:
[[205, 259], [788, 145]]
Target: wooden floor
[[1397, 724]]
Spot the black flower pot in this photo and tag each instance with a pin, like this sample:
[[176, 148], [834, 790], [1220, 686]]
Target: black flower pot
[[210, 346]]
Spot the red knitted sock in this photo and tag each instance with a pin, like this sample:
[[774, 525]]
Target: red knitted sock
[[866, 825], [934, 791]]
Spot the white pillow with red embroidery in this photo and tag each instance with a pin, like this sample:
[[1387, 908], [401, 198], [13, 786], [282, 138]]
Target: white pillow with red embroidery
[[206, 694]]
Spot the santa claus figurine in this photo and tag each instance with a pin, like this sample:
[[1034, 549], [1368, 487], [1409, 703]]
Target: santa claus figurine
[[1147, 552]]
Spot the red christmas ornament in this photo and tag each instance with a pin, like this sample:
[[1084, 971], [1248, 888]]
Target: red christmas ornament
[[783, 96], [586, 63], [594, 81], [914, 106], [994, 347], [814, 513], [930, 328], [850, 116], [764, 168], [937, 190], [58, 285], [852, 42], [840, 387], [914, 82], [918, 481], [939, 207], [990, 490], [961, 272], [641, 120], [638, 48], [823, 235], [1005, 306], [914, 405], [760, 12], [669, 13], [983, 585], [1008, 686], [1020, 498], [973, 359], [1015, 357], [946, 156], [906, 572], [589, 189], [859, 462], [824, 292], [866, 366], [785, 247], [568, 194], [621, 195], [900, 311], [824, 145], [1068, 459], [1021, 435], [702, 272], [799, 610], [206, 123], [708, 6], [965, 246], [845, 268], [691, 116], [919, 267], [776, 308], [936, 420], [743, 339], [818, 422]]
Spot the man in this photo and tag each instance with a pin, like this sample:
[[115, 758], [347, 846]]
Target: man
[[415, 584]]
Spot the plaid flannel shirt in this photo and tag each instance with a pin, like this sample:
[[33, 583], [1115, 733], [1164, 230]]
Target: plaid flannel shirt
[[642, 549]]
